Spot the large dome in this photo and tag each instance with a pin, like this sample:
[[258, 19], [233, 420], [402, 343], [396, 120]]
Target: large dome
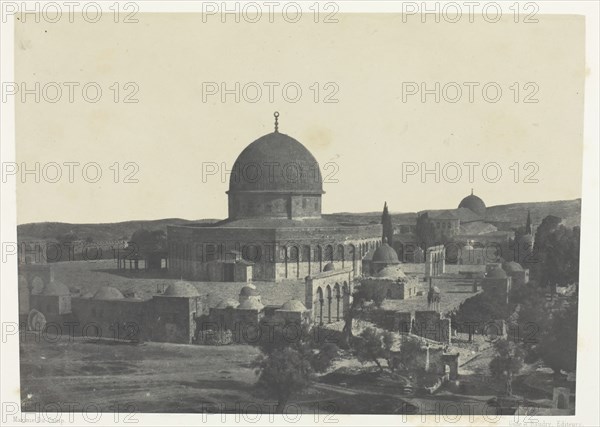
[[275, 177], [276, 163], [473, 203]]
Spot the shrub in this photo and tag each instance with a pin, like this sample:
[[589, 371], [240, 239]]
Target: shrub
[[210, 337]]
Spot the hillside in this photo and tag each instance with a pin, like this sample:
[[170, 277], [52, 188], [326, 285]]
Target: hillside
[[515, 213], [98, 232]]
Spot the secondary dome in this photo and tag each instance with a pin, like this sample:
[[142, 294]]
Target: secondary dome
[[250, 304], [108, 293], [512, 266], [473, 203], [227, 304], [276, 163], [181, 288], [385, 254], [391, 272], [248, 291], [496, 273], [293, 305], [329, 267], [56, 289]]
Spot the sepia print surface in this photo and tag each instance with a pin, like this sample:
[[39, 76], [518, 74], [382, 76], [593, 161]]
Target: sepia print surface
[[296, 210]]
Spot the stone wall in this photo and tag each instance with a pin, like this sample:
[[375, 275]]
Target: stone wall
[[389, 288], [497, 288], [431, 325], [162, 318], [466, 268], [328, 294], [276, 253]]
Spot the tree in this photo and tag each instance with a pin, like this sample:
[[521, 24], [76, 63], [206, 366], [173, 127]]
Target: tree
[[475, 312], [410, 350], [68, 237], [282, 373], [540, 248], [388, 228], [359, 300], [144, 240], [557, 251], [557, 346], [507, 362], [425, 230], [289, 361], [372, 345]]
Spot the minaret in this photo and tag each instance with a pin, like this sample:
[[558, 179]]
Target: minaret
[[528, 229]]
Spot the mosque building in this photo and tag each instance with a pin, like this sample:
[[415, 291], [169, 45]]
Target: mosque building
[[274, 230]]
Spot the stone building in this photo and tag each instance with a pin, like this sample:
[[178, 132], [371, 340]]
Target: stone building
[[496, 283], [518, 274], [472, 254], [108, 314], [275, 200], [243, 318], [435, 261], [328, 294]]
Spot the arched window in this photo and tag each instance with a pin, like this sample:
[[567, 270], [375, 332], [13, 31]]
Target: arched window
[[211, 252], [305, 253], [251, 252], [319, 306], [329, 253], [338, 298], [319, 257], [340, 254]]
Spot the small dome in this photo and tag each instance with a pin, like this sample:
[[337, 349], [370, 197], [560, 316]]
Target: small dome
[[512, 266], [248, 291], [181, 288], [56, 289], [227, 304], [385, 254], [496, 273], [108, 293], [473, 203], [435, 290], [392, 272], [329, 267], [250, 304], [293, 305]]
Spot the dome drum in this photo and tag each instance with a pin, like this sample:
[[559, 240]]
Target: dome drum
[[273, 204]]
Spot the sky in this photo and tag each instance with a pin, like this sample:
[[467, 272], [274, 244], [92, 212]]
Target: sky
[[360, 111]]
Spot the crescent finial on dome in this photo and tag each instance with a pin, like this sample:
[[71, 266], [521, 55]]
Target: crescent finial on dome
[[276, 115]]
